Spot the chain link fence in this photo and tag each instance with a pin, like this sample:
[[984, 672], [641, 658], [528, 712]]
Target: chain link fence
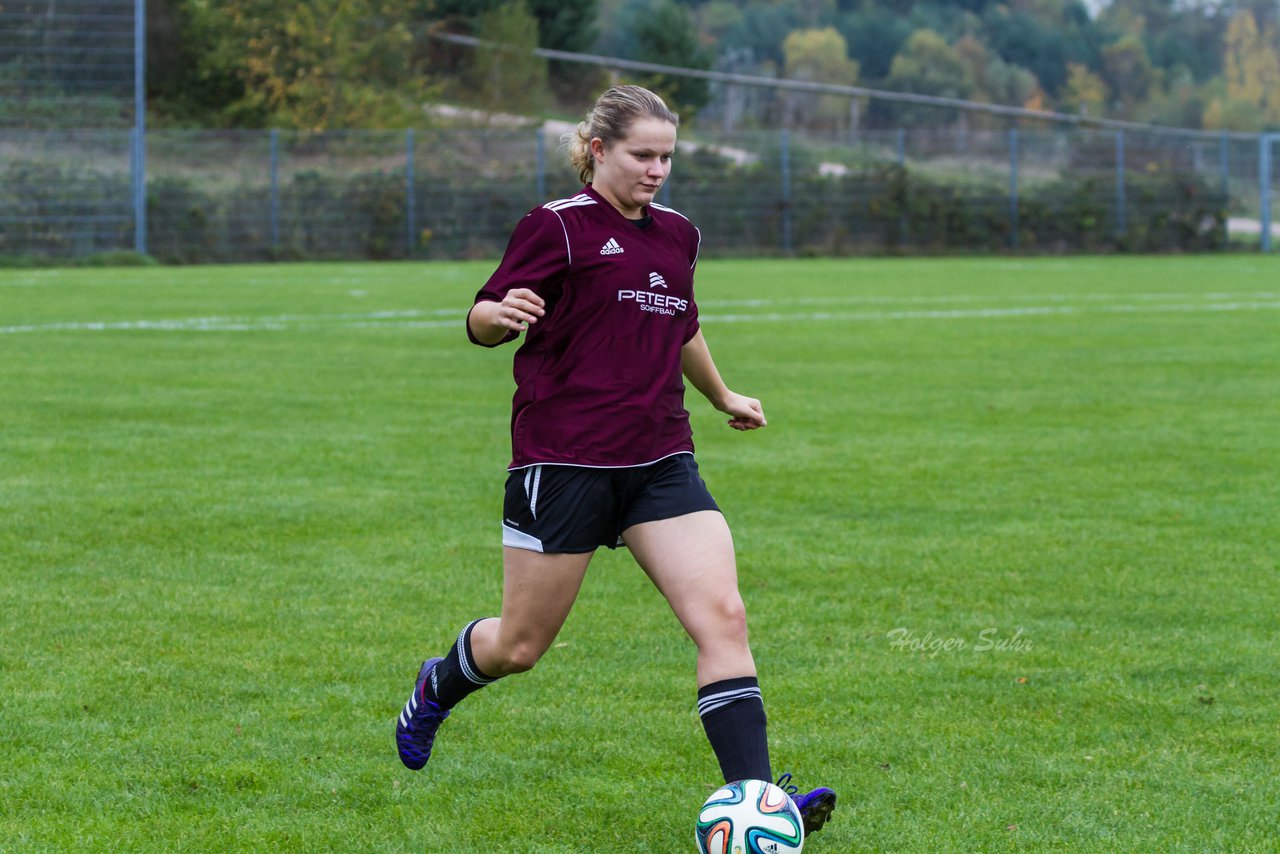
[[977, 178], [67, 63], [220, 196]]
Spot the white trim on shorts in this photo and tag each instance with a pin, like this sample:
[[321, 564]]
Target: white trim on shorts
[[519, 539], [581, 466]]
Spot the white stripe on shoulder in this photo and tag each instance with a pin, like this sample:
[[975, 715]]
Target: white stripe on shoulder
[[568, 251], [668, 210], [697, 249], [567, 205], [554, 202], [573, 202]]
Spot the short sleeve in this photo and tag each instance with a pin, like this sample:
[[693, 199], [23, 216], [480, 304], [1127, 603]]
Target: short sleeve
[[692, 325], [537, 258]]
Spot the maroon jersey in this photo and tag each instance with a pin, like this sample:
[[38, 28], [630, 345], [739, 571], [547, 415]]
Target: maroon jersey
[[598, 379]]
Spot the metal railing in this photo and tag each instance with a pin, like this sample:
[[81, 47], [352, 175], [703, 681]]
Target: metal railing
[[456, 193], [1000, 178]]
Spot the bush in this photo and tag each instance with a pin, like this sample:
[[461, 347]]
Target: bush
[[888, 209], [105, 259], [67, 212], [63, 211]]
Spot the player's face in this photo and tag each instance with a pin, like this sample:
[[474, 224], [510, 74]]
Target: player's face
[[630, 171]]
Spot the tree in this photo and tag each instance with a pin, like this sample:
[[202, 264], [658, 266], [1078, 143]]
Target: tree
[[1084, 92], [874, 36], [763, 27], [927, 65], [815, 13], [819, 56], [562, 24], [995, 80], [1021, 39], [331, 63], [718, 18], [1184, 34], [1129, 72], [1182, 103], [1251, 72], [663, 33], [1251, 63], [182, 87], [510, 78], [566, 24]]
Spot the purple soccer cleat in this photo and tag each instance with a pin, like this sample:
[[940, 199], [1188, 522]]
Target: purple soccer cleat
[[416, 728], [815, 807]]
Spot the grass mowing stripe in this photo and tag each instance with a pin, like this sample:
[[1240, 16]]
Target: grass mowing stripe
[[225, 553], [398, 318]]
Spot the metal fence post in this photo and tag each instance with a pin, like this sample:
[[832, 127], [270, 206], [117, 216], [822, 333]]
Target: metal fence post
[[1013, 187], [1265, 141], [540, 182], [410, 217], [138, 154], [786, 191], [275, 189], [1121, 213], [1224, 163], [137, 190], [902, 164]]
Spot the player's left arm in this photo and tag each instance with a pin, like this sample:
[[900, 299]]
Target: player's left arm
[[745, 413]]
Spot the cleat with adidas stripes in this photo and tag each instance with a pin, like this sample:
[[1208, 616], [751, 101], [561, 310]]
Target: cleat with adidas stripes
[[815, 807], [417, 725]]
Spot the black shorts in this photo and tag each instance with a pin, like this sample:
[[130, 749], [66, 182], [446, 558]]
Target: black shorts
[[573, 509]]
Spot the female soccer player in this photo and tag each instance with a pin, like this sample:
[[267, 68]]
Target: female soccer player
[[602, 452]]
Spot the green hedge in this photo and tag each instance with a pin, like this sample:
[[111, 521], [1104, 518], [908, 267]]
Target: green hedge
[[888, 209], [63, 211]]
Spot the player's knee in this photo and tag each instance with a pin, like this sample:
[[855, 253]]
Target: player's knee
[[730, 619], [520, 656]]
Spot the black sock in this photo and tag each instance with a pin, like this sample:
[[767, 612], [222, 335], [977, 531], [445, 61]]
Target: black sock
[[732, 713], [456, 676]]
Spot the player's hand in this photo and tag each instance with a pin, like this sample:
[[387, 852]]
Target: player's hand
[[519, 308], [747, 412]]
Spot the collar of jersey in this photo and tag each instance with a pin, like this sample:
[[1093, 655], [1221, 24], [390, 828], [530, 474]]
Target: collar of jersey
[[647, 210]]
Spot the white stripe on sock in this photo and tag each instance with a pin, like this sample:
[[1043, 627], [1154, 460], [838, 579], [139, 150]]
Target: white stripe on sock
[[473, 676], [713, 702]]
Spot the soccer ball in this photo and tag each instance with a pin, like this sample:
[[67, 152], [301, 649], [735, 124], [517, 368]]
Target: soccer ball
[[749, 817]]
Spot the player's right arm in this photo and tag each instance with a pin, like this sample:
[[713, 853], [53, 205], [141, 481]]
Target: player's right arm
[[491, 322], [533, 268]]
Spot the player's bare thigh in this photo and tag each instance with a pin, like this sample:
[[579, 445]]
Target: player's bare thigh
[[538, 591], [690, 559]]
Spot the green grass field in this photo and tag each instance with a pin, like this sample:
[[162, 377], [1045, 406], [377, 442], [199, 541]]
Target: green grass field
[[1009, 545]]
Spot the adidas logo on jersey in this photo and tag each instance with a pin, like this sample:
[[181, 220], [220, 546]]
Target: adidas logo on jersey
[[656, 281], [611, 248]]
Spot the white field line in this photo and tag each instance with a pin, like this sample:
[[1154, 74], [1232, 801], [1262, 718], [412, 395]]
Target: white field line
[[445, 318], [966, 298], [234, 323], [962, 313]]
